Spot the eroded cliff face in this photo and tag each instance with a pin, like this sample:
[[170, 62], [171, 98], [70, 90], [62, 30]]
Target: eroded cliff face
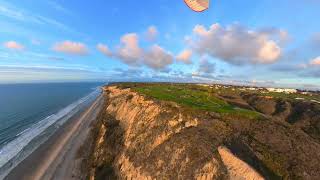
[[141, 138], [300, 114]]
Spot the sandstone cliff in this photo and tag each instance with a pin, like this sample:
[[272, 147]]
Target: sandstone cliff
[[142, 138]]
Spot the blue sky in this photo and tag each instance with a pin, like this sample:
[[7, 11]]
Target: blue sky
[[262, 43]]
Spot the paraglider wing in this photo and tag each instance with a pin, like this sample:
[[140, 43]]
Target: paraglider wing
[[197, 5]]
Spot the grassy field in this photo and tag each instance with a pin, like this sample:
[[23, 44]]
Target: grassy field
[[193, 96], [206, 98]]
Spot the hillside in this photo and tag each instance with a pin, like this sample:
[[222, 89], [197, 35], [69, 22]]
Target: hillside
[[180, 131]]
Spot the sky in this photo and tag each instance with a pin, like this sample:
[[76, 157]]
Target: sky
[[259, 43]]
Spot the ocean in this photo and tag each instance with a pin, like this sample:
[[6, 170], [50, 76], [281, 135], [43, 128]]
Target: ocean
[[31, 113]]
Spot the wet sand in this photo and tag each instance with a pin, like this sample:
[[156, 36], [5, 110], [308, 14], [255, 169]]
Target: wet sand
[[56, 158]]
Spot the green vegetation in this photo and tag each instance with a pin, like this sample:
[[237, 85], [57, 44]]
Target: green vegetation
[[292, 96], [193, 96], [210, 98], [274, 162], [234, 91]]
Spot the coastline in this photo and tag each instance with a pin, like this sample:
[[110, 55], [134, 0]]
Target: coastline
[[56, 158]]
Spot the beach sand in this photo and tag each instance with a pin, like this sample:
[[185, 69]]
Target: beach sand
[[57, 157]]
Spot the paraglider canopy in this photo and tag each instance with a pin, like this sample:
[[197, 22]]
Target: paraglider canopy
[[197, 5]]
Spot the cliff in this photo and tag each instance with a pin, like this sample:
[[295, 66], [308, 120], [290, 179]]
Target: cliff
[[138, 137]]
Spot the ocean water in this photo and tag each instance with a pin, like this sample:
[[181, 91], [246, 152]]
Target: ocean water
[[30, 113]]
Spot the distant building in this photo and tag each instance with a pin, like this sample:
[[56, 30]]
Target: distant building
[[305, 93], [252, 89], [204, 85], [282, 90]]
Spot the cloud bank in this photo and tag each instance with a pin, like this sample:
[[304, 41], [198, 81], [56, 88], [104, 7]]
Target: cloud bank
[[315, 61], [13, 45], [185, 56], [206, 67], [157, 58], [104, 49], [238, 45], [152, 33], [72, 48], [130, 53]]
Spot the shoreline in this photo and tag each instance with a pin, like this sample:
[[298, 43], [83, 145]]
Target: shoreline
[[56, 158]]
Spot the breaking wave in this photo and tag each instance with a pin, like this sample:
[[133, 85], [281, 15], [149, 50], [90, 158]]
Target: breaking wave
[[27, 141]]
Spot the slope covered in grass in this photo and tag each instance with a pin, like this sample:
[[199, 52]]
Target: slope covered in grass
[[193, 96]]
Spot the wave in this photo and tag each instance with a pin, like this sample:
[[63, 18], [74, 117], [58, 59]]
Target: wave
[[15, 151]]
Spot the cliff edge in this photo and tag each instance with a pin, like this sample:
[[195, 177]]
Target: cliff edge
[[138, 137]]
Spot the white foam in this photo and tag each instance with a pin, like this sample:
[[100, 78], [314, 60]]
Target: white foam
[[13, 148]]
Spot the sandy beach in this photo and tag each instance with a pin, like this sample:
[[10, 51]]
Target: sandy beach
[[56, 158]]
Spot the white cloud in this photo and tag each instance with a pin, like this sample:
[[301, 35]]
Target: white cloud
[[206, 67], [279, 35], [284, 36], [157, 58], [70, 47], [130, 53], [185, 56], [104, 49], [13, 45], [269, 52], [152, 33], [315, 61], [237, 44]]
